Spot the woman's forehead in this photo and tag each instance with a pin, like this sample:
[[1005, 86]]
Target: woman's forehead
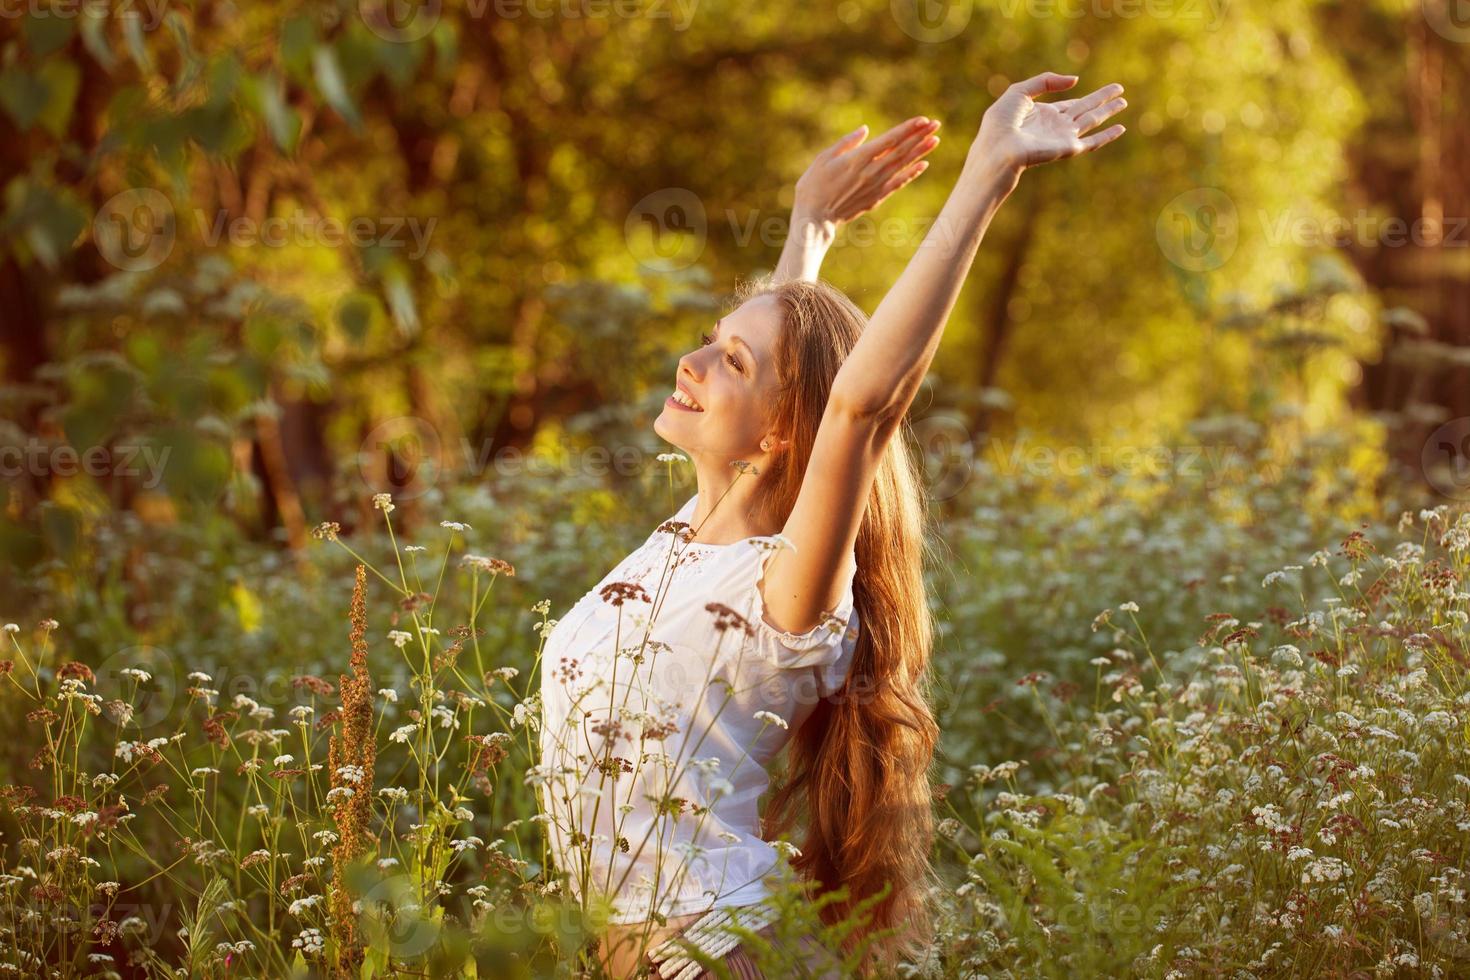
[[757, 321]]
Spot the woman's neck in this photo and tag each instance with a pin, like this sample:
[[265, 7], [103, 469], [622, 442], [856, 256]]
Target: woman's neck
[[730, 507]]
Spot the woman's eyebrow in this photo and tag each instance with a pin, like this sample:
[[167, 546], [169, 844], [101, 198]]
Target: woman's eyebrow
[[739, 340]]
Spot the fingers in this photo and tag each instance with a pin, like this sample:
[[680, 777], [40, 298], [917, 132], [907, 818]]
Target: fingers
[[1100, 115], [1076, 107], [898, 135], [899, 179], [919, 144], [846, 143], [1047, 81], [890, 186], [908, 144], [1090, 143]]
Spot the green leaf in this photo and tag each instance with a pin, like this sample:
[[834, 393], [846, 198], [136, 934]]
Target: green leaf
[[137, 46], [328, 73], [47, 34], [94, 39], [298, 37], [47, 219], [401, 301], [281, 120], [356, 315], [61, 528], [46, 96], [63, 79]]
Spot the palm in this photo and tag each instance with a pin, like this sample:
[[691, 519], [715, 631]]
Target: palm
[[1026, 132]]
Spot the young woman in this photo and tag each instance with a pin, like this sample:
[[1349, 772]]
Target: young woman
[[783, 606]]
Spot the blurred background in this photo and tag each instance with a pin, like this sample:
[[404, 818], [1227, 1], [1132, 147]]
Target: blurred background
[[261, 261]]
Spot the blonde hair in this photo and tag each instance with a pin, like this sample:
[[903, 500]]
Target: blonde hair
[[857, 772]]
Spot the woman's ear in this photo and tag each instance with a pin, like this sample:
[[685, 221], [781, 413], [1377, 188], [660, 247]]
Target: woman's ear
[[774, 443]]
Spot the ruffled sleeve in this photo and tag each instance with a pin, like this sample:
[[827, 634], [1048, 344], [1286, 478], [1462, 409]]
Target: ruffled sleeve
[[823, 645]]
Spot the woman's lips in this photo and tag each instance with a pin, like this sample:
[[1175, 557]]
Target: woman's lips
[[683, 408]]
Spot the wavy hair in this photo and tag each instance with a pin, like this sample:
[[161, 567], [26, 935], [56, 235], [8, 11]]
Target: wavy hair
[[857, 771]]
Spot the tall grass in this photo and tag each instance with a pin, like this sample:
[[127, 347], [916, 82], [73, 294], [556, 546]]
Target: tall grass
[[1191, 730]]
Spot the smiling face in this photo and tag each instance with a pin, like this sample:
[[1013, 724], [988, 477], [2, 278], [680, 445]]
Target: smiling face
[[727, 386]]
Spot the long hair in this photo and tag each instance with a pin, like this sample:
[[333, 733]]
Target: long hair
[[857, 772]]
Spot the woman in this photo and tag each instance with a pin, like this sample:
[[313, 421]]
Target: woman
[[783, 606]]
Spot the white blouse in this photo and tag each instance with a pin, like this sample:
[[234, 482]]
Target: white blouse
[[673, 719]]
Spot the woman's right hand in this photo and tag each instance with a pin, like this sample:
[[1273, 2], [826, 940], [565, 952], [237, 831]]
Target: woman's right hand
[[850, 178]]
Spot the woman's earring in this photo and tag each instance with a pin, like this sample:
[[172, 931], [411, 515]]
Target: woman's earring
[[765, 445]]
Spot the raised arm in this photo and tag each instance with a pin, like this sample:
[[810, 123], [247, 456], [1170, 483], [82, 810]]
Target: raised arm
[[848, 179], [880, 376]]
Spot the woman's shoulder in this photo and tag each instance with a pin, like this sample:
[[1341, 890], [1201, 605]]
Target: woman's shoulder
[[824, 643]]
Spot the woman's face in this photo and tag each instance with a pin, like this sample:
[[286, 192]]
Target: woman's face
[[732, 380]]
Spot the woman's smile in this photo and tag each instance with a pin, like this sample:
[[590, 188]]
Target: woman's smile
[[683, 401]]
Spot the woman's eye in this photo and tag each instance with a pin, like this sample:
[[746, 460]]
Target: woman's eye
[[734, 362], [705, 339]]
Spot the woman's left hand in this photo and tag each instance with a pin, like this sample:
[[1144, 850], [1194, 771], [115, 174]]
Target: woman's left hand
[[1019, 132], [850, 177]]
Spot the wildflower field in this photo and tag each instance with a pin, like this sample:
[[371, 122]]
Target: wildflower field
[[333, 334], [1191, 728]]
